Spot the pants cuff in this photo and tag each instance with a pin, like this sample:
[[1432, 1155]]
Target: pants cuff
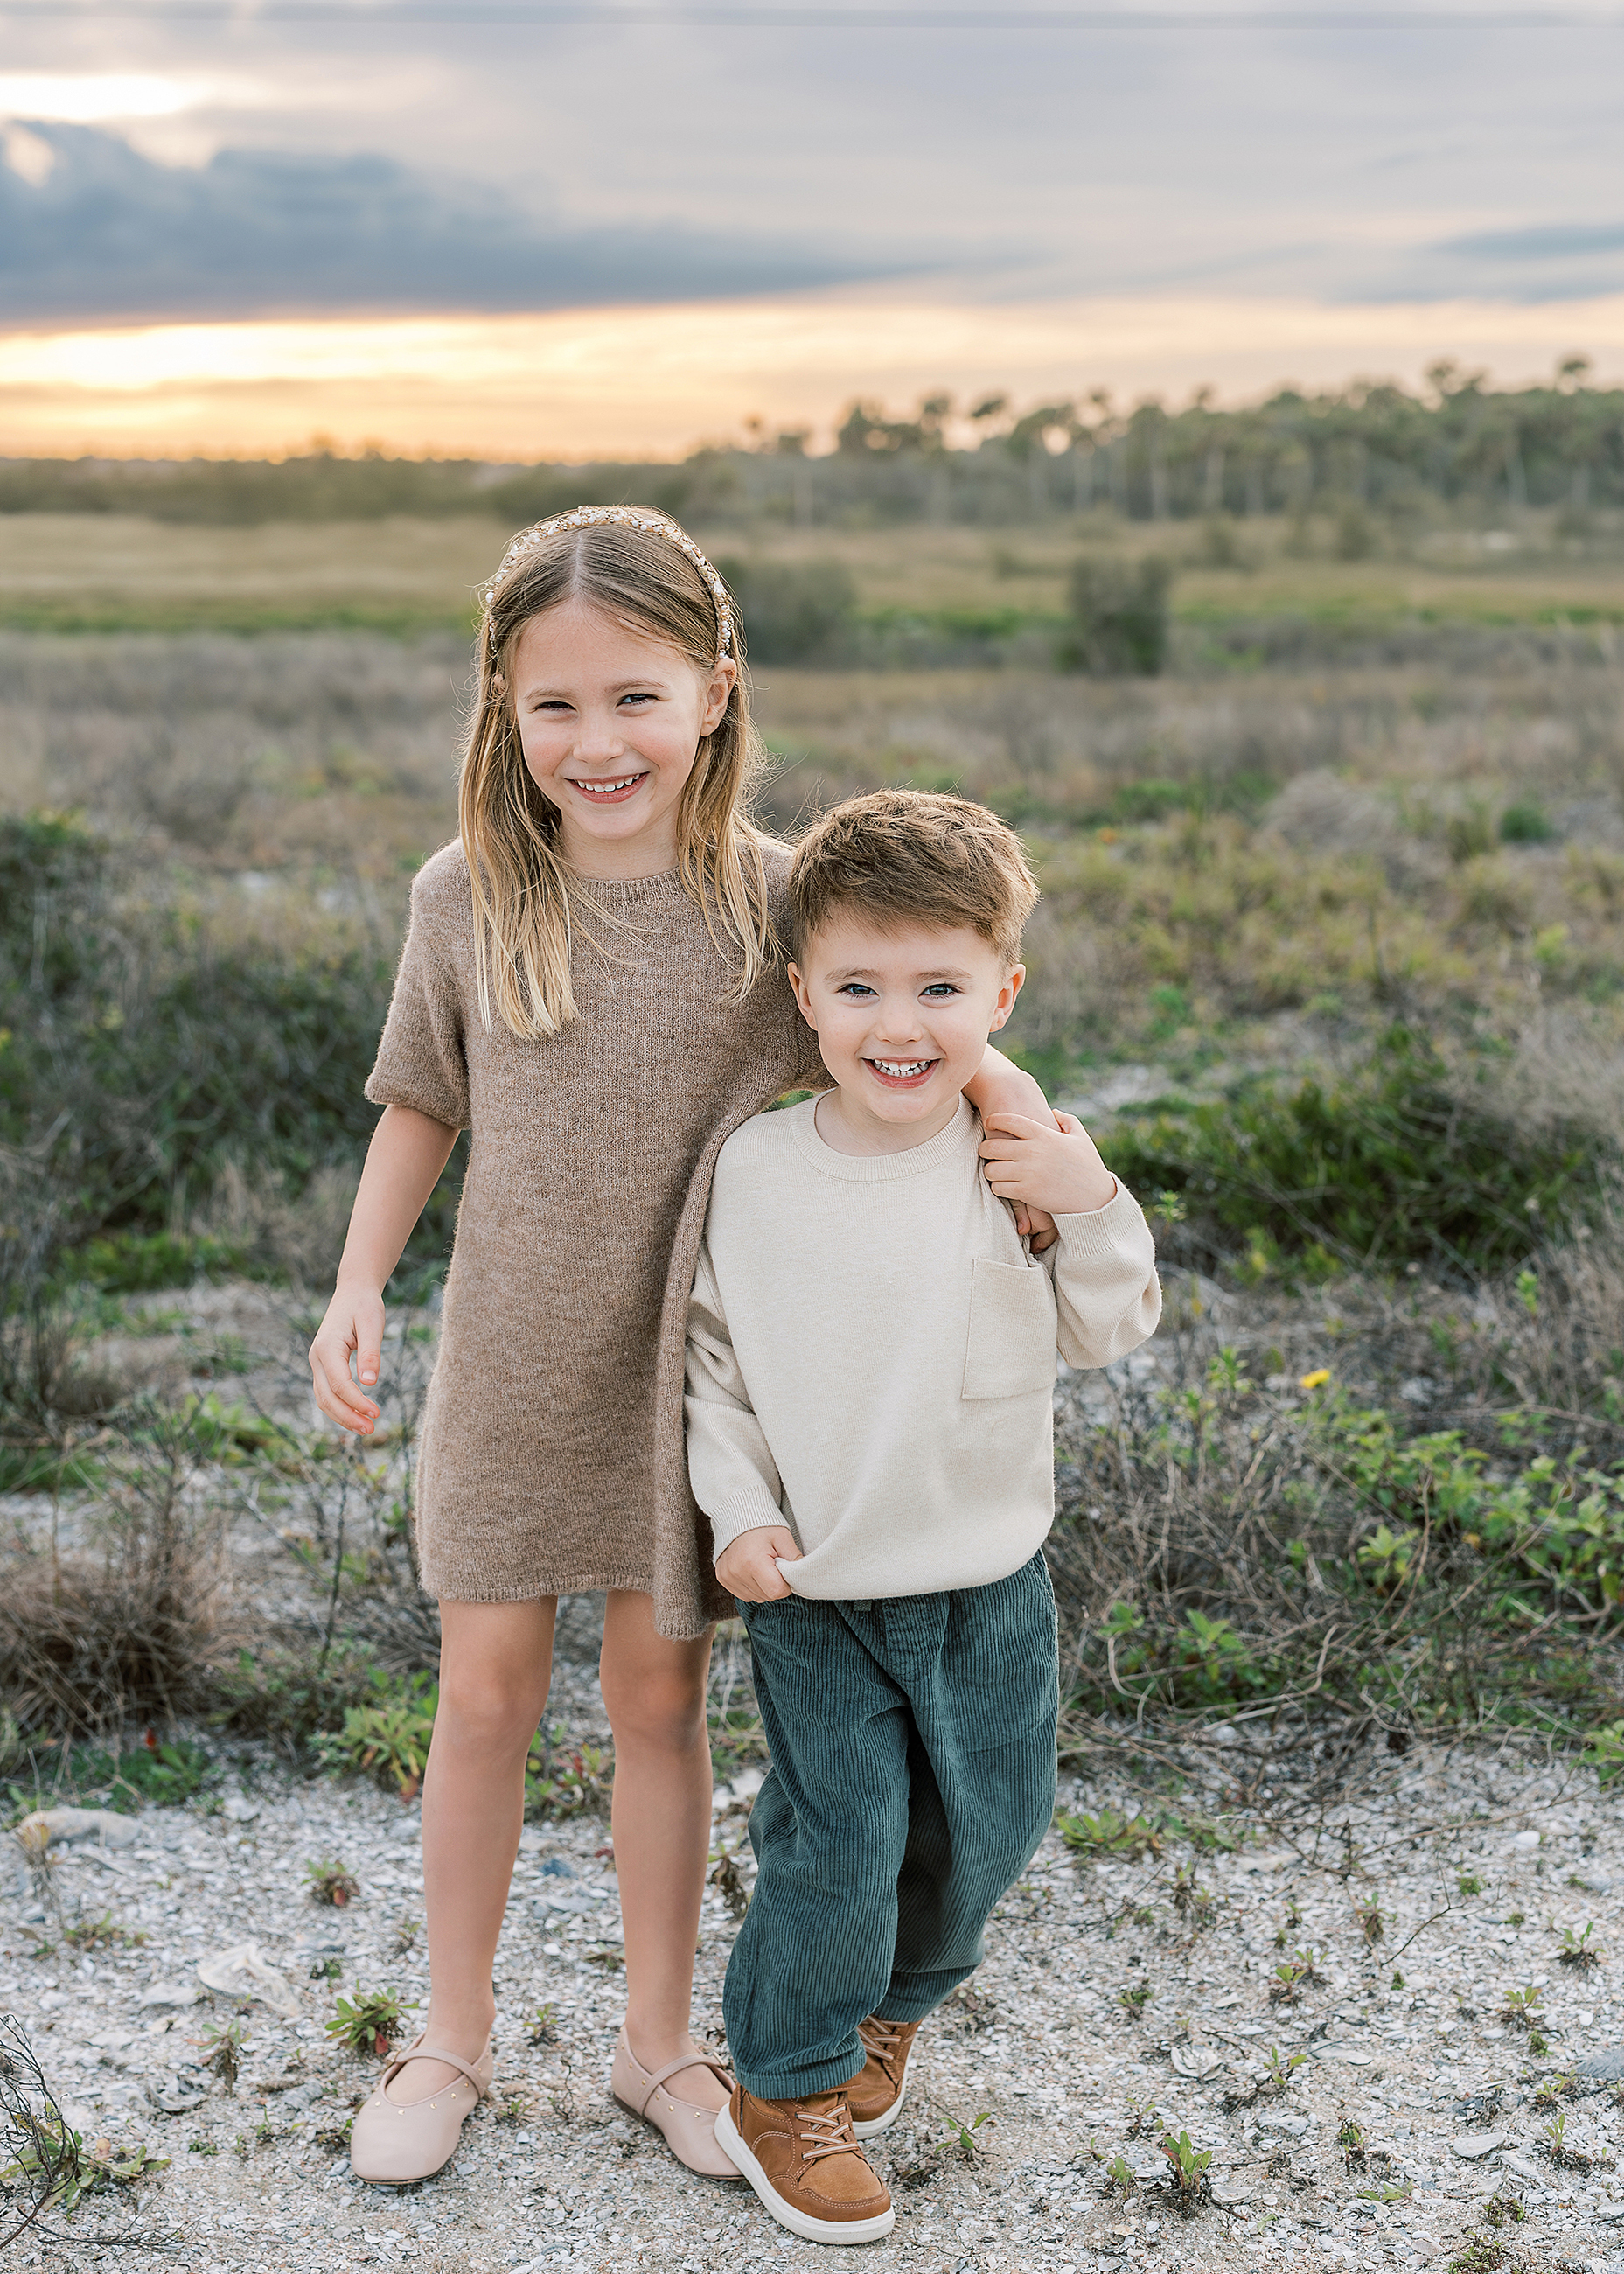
[[899, 2005], [828, 2076]]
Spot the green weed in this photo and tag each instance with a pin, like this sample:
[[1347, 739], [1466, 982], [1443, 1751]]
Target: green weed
[[1521, 2009], [388, 1738], [576, 1782], [68, 2168], [331, 1883], [1279, 2071], [1187, 2175], [1108, 1833], [369, 2022], [1372, 1921], [103, 1933], [223, 2049], [1578, 1950]]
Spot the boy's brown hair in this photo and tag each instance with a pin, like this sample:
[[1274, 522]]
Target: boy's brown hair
[[908, 856]]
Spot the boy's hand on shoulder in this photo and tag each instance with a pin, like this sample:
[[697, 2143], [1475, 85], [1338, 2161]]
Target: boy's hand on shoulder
[[748, 1566], [1052, 1166]]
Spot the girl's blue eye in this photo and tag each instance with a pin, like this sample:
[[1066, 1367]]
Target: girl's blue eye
[[942, 987]]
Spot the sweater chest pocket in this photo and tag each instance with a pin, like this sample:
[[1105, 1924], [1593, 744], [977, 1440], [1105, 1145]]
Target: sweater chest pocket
[[1011, 1350]]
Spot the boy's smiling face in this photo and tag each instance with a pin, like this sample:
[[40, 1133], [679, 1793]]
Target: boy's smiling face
[[902, 1020]]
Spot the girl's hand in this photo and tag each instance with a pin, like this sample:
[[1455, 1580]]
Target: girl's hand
[[353, 1327], [1001, 1088], [1054, 1167], [748, 1566]]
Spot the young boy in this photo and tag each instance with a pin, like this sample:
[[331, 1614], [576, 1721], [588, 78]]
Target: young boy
[[871, 1377]]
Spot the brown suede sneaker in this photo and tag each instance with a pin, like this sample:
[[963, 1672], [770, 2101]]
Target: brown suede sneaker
[[802, 2158], [875, 2094]]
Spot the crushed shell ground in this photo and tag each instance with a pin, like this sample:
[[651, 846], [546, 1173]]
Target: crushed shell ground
[[552, 2174]]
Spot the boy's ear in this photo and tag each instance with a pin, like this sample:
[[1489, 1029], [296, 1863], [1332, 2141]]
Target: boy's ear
[[801, 997], [1011, 987]]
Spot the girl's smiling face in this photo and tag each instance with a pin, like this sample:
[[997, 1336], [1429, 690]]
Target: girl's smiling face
[[610, 722]]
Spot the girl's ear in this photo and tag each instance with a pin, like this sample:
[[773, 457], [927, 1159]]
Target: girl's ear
[[724, 678]]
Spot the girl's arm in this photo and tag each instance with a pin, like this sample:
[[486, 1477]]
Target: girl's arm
[[998, 1086], [404, 1164]]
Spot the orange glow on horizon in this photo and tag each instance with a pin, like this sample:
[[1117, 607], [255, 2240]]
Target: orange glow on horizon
[[655, 380]]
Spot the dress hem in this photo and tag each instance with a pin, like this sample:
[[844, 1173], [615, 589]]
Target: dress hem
[[536, 1590]]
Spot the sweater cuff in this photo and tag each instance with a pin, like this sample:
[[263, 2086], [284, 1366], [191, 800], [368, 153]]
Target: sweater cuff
[[750, 1512], [1097, 1230]]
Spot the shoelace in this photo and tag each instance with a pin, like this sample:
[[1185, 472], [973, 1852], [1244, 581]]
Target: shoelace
[[881, 2038], [830, 2135]]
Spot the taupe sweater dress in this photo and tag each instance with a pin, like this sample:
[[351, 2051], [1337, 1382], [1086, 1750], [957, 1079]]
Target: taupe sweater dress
[[553, 1457]]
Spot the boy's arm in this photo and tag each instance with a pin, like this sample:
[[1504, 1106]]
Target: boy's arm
[[1105, 1288], [1107, 1293], [730, 1464], [999, 1086]]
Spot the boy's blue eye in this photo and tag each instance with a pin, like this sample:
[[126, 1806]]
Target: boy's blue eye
[[854, 987]]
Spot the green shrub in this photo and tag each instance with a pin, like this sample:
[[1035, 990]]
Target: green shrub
[[795, 611], [1119, 618], [1553, 1533], [134, 1262], [388, 1737], [1388, 1165], [164, 1774], [287, 1694], [139, 1058], [1525, 823]]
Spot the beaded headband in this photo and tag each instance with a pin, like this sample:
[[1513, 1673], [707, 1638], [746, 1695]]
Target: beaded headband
[[587, 516]]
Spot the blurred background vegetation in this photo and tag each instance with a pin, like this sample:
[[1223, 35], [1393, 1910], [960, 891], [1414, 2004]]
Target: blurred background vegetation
[[1313, 717]]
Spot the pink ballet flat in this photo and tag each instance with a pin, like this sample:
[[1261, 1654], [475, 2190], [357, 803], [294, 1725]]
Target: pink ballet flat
[[690, 2132], [394, 2143]]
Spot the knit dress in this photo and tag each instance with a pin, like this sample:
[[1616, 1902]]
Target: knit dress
[[552, 1459]]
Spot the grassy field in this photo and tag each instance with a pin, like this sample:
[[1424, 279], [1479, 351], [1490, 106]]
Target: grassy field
[[76, 572], [1331, 948]]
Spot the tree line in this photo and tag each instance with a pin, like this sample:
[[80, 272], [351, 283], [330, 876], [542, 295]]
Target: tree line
[[1372, 446]]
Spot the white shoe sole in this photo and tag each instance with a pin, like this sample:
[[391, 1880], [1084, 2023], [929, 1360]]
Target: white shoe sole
[[799, 2222], [883, 2123]]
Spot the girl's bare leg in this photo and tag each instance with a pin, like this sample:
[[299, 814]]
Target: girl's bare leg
[[496, 1664], [655, 1693]]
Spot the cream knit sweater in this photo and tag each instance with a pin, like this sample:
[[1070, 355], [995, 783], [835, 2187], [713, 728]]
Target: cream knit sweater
[[871, 1355]]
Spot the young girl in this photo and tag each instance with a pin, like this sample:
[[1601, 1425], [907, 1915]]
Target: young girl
[[591, 984]]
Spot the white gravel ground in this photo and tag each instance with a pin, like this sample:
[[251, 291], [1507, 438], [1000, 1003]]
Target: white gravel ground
[[553, 2175]]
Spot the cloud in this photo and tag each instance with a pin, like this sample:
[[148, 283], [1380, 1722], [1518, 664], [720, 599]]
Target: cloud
[[1533, 263], [102, 232], [1554, 241]]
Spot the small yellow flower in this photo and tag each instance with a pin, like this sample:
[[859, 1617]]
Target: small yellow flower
[[1317, 1380]]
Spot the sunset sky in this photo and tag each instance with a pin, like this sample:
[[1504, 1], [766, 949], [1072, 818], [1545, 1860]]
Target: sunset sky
[[530, 232]]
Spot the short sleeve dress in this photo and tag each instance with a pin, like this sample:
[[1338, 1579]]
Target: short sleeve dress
[[552, 1459]]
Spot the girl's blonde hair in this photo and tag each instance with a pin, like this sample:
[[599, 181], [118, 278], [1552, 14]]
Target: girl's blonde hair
[[645, 572]]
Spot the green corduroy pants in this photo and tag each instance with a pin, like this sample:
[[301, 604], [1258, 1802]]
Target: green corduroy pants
[[913, 1743]]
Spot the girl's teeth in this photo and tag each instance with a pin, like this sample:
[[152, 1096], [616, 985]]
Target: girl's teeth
[[602, 789]]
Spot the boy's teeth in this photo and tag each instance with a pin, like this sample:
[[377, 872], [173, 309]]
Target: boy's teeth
[[901, 1067]]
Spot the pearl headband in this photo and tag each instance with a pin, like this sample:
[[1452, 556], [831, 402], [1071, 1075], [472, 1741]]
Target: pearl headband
[[588, 517]]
